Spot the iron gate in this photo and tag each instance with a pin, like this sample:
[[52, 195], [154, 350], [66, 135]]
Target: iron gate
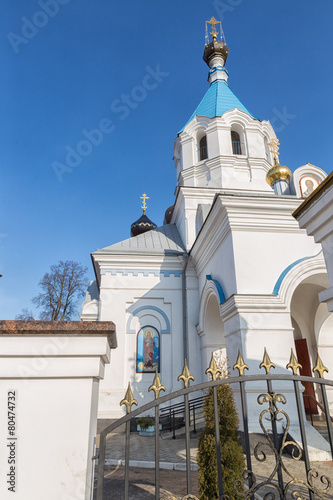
[[281, 482]]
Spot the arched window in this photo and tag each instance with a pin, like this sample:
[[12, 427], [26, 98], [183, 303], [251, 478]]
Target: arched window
[[148, 350], [202, 151], [237, 145]]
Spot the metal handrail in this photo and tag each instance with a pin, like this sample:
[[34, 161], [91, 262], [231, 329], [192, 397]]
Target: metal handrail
[[318, 404], [179, 408]]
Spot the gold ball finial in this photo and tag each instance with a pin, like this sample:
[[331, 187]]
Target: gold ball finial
[[277, 171]]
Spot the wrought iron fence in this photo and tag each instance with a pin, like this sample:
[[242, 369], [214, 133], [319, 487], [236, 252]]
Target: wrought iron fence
[[281, 483]]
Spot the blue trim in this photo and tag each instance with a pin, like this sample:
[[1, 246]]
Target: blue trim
[[219, 288], [154, 308], [286, 271]]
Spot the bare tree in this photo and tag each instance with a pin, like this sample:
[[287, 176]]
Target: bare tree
[[62, 287], [25, 315]]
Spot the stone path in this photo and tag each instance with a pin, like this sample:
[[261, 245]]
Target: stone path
[[142, 452]]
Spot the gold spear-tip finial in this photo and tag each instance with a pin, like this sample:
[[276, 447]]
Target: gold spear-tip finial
[[156, 386], [293, 363], [185, 375], [144, 197], [240, 364], [128, 400], [213, 369], [320, 367], [266, 363]]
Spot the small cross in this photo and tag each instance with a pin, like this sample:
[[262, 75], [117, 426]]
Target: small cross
[[213, 22], [144, 197], [275, 145]]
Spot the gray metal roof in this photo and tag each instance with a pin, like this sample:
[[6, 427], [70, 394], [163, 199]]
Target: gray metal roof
[[163, 240]]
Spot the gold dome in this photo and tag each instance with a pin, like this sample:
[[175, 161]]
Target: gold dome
[[277, 172]]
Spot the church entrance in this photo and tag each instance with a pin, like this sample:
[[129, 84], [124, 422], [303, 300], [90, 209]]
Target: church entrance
[[309, 320], [309, 393]]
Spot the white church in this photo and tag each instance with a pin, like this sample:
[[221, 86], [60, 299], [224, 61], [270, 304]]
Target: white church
[[230, 268]]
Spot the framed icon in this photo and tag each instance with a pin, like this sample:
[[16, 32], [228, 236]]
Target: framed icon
[[148, 350], [308, 184]]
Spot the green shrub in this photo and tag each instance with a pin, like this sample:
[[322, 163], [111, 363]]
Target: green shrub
[[232, 457], [145, 422]]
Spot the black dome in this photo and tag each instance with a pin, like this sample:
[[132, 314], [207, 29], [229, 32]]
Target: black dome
[[142, 225], [168, 214]]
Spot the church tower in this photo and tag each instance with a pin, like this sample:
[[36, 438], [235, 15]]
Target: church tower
[[222, 146]]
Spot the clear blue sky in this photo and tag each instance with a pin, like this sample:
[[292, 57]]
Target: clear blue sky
[[63, 77]]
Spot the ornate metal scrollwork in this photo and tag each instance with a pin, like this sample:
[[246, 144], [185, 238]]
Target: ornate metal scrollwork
[[291, 488]]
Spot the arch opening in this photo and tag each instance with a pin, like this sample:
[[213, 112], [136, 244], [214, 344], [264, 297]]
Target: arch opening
[[202, 148], [313, 332], [213, 338], [238, 142]]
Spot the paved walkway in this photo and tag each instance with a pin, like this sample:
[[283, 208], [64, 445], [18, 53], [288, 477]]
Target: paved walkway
[[142, 451]]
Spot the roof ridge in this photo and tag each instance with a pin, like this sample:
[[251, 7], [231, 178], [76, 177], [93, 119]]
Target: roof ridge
[[161, 239]]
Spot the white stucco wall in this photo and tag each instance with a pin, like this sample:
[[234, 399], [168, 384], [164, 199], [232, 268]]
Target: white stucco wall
[[55, 382], [316, 217]]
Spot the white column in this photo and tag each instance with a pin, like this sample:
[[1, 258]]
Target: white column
[[253, 323]]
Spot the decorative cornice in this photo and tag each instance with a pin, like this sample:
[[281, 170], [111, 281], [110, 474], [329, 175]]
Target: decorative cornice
[[239, 303], [141, 272]]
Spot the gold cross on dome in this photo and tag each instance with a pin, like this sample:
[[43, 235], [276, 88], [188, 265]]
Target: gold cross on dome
[[275, 146], [144, 197], [213, 22]]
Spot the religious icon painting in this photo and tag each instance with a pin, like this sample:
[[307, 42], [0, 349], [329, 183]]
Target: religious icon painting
[[148, 350], [308, 184]]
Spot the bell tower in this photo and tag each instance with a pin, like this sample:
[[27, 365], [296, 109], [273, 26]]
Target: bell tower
[[223, 146]]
